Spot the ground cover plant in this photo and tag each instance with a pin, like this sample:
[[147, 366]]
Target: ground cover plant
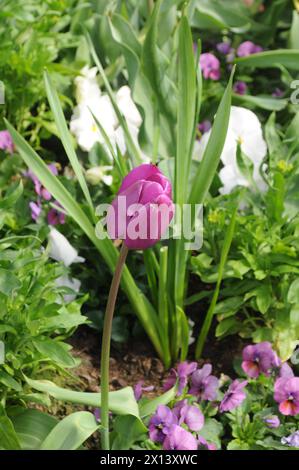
[[149, 145]]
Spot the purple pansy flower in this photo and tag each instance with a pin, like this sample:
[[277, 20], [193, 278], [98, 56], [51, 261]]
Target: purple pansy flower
[[224, 47], [286, 371], [234, 396], [210, 66], [6, 142], [36, 209], [38, 187], [247, 48], [184, 369], [161, 422], [203, 384], [179, 439], [240, 88], [259, 359], [272, 421], [292, 440], [204, 445], [277, 93], [286, 393], [204, 126], [54, 216], [139, 389], [189, 414]]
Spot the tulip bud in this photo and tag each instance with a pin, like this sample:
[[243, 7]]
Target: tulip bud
[[142, 209]]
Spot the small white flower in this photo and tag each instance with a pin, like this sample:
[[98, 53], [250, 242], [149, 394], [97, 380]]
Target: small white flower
[[244, 127], [61, 250], [87, 88], [92, 102], [98, 173], [72, 283]]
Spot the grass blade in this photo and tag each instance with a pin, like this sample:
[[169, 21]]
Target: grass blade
[[224, 253], [65, 136]]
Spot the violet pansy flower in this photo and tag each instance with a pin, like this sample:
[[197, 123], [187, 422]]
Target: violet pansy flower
[[139, 389], [203, 384], [210, 66], [234, 396], [259, 359], [179, 439], [189, 415], [292, 440], [247, 48], [286, 393], [6, 142], [184, 370], [161, 422]]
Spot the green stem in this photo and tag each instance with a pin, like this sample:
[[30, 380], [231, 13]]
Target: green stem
[[106, 340]]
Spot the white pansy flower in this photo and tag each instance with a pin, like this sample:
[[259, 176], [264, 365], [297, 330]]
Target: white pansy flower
[[98, 173], [90, 98], [62, 251], [244, 127], [87, 88]]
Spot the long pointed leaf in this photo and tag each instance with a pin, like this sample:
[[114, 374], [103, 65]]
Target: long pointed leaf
[[65, 136]]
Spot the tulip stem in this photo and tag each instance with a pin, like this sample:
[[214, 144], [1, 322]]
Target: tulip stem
[[106, 341]]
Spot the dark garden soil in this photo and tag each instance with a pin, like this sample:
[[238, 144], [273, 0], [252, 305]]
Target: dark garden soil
[[137, 361]]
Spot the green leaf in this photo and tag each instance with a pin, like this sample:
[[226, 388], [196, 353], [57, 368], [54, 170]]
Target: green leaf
[[56, 351], [120, 402], [65, 136], [128, 430], [293, 292], [8, 437], [211, 157], [32, 427], [149, 407], [287, 57], [212, 431], [71, 432], [8, 282], [9, 381], [294, 31], [10, 199], [264, 102]]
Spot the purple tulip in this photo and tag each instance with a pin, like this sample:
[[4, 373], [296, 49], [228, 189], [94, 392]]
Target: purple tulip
[[240, 88], [259, 359], [272, 422], [36, 209], [142, 209], [286, 393], [179, 439], [189, 414], [6, 142], [139, 389], [184, 370], [203, 384], [210, 66], [292, 440], [234, 396], [161, 422], [247, 48], [204, 445]]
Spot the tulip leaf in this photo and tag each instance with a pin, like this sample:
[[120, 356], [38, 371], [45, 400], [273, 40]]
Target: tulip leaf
[[144, 310], [71, 432], [289, 58], [149, 407], [32, 427], [208, 166], [65, 136], [264, 102], [120, 402]]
